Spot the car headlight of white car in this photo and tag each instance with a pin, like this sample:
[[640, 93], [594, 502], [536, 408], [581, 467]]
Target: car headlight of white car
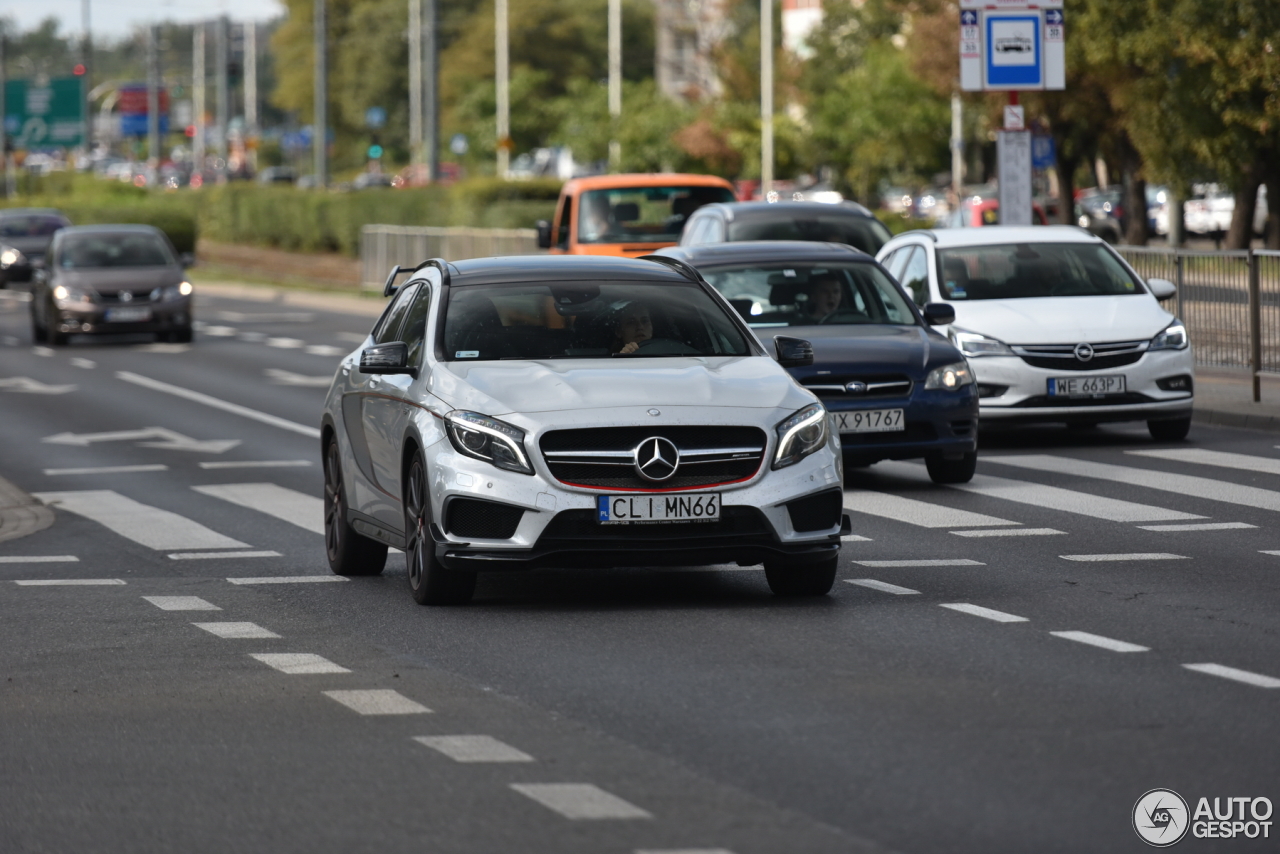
[[1174, 337], [10, 256], [484, 438], [949, 377], [800, 435], [976, 344]]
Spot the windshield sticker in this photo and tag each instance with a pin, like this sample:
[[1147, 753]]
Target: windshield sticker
[[467, 354], [957, 291]]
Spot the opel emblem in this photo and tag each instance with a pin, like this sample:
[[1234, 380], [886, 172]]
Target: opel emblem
[[124, 296], [656, 459], [856, 387], [1084, 352]]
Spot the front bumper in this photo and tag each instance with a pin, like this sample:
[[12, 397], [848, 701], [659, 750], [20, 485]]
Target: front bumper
[[79, 319], [937, 421]]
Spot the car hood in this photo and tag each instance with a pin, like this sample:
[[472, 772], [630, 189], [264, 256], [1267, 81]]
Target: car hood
[[1064, 320], [120, 278], [497, 388], [869, 348]]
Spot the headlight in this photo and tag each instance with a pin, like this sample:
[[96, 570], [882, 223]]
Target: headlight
[[800, 435], [1174, 337], [484, 438], [973, 344], [10, 256], [950, 377], [172, 292], [62, 293]]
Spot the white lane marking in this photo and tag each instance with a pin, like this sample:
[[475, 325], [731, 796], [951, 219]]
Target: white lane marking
[[288, 579], [254, 464], [1221, 459], [1100, 641], [353, 337], [39, 559], [220, 331], [286, 343], [1069, 501], [159, 347], [149, 526], [217, 403], [253, 337], [11, 341], [266, 317], [683, 851], [473, 748], [580, 800], [69, 582], [1202, 526], [236, 631], [1268, 552], [855, 538], [378, 702], [212, 555], [166, 439], [913, 512], [46, 352], [278, 376], [1123, 557], [181, 603], [1009, 532], [107, 470], [326, 350], [1255, 679], [986, 613], [930, 562], [26, 385], [289, 505], [298, 663], [1182, 484], [86, 364], [882, 586]]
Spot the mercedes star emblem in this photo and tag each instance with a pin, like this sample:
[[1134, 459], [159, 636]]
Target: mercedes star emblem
[[656, 458], [1084, 352]]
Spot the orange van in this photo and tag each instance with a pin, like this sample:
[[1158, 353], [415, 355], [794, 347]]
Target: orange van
[[627, 215]]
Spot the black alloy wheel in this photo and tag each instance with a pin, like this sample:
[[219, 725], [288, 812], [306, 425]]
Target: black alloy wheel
[[943, 470], [1171, 430], [349, 553], [814, 579], [429, 581]]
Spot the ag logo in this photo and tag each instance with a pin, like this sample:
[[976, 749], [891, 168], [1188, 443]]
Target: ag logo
[[1160, 817]]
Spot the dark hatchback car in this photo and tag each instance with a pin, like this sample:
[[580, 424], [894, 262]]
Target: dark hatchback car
[[105, 279], [895, 388], [734, 222], [24, 236]]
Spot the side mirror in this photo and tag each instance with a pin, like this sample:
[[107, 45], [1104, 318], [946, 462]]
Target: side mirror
[[1162, 289], [390, 358], [188, 259], [793, 352], [939, 313], [544, 234]]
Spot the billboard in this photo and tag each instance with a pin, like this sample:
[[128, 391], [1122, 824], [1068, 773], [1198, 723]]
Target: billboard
[[48, 116]]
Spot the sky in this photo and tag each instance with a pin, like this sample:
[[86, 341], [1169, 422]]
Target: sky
[[114, 19]]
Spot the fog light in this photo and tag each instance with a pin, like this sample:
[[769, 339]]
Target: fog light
[[1182, 382]]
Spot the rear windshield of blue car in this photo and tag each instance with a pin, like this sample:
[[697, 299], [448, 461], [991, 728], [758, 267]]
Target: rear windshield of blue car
[[812, 294], [1027, 270], [588, 320], [860, 232]]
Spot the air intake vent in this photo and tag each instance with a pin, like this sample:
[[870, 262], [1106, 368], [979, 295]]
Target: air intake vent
[[488, 520]]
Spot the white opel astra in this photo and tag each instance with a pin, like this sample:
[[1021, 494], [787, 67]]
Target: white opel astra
[[565, 411], [1056, 326]]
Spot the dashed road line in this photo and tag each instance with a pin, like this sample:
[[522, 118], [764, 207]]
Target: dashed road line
[[149, 526], [237, 631], [68, 582], [286, 343], [683, 851], [378, 702], [1124, 557], [929, 562], [855, 538], [1255, 679], [986, 613], [39, 559], [220, 331], [85, 364], [1101, 642], [288, 579], [1202, 526], [254, 464], [288, 505], [298, 663], [213, 555], [108, 470], [326, 350], [580, 801], [1009, 532], [181, 603], [882, 586], [473, 748]]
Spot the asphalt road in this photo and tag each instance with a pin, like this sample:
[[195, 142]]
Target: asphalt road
[[932, 703]]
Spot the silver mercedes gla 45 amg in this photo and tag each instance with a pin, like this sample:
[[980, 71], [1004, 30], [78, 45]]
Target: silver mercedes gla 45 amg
[[567, 411]]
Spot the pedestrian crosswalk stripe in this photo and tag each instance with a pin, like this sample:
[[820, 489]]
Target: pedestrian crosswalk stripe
[[924, 562], [146, 525], [254, 464], [1191, 486], [985, 613], [473, 748], [298, 663], [181, 603], [882, 586], [1069, 501], [378, 701], [923, 514], [225, 555], [68, 582], [580, 800], [39, 559], [1109, 558], [1221, 459], [289, 505], [1199, 526], [288, 579]]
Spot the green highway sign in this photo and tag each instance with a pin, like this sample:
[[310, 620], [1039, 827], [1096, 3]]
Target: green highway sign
[[50, 116]]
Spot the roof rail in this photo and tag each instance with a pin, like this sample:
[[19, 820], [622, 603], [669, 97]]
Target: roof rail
[[928, 232], [676, 264]]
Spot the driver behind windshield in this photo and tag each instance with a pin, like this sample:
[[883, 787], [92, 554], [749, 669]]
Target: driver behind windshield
[[635, 326], [825, 294]]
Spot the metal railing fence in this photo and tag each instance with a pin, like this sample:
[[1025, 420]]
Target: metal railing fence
[[382, 246], [1229, 300]]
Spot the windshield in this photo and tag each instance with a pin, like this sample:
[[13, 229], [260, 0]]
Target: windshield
[[85, 251], [810, 294], [1023, 270], [30, 225], [859, 232], [585, 320], [642, 214]]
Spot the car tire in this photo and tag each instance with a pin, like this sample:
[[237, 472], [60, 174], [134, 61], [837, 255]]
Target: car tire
[[38, 333], [943, 470], [429, 581], [1170, 430], [182, 335], [349, 552], [787, 579], [53, 336]]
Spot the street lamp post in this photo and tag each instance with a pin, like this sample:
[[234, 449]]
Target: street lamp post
[[615, 81], [319, 136], [503, 82]]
